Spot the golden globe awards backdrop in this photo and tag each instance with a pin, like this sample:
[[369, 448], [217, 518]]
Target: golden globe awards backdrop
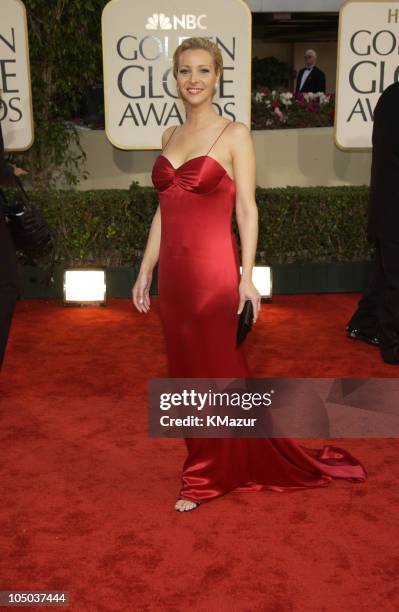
[[368, 61], [139, 39], [15, 88]]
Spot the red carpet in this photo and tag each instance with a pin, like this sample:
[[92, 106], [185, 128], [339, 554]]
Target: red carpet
[[87, 497]]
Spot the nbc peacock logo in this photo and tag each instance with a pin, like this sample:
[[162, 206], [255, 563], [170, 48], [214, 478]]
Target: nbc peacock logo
[[158, 22]]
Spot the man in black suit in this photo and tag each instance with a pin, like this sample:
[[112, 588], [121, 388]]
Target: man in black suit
[[310, 78], [8, 258], [377, 318]]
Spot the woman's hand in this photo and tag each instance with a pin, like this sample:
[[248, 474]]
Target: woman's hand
[[141, 291], [248, 291], [19, 171]]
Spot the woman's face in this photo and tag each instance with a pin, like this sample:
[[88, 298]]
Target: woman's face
[[196, 76]]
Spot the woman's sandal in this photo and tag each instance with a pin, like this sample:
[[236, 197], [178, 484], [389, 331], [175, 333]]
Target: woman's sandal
[[189, 509]]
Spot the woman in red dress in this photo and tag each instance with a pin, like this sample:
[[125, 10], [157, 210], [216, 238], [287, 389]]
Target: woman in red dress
[[208, 172]]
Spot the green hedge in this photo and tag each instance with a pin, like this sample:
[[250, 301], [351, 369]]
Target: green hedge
[[110, 228], [313, 224]]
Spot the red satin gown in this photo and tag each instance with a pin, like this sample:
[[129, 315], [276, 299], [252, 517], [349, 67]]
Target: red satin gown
[[198, 278]]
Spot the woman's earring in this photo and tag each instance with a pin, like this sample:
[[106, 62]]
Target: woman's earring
[[216, 85]]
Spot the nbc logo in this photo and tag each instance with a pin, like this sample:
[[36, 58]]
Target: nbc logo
[[160, 21]]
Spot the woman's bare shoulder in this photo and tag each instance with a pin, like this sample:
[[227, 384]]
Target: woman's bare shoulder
[[239, 129], [167, 133], [239, 138]]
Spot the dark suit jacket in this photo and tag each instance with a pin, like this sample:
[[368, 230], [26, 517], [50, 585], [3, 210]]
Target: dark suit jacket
[[315, 82], [383, 221], [6, 171], [8, 261]]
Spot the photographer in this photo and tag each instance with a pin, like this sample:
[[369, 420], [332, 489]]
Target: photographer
[[8, 258]]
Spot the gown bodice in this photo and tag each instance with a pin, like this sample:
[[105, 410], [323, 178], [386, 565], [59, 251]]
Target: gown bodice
[[201, 174], [196, 201]]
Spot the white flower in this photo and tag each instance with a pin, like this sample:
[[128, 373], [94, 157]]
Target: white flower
[[324, 99], [285, 98]]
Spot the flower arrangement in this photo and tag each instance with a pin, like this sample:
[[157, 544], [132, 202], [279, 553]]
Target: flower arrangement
[[283, 109]]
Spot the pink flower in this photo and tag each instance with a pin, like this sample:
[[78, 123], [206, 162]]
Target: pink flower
[[313, 106]]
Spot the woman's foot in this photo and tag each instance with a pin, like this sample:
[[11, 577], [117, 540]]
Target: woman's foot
[[184, 505]]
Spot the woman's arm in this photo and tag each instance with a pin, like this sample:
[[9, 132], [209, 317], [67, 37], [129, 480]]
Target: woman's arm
[[246, 210], [141, 289], [151, 252]]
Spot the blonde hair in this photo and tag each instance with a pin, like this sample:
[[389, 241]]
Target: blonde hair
[[199, 43]]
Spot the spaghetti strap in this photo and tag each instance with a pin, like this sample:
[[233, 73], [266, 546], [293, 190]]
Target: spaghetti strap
[[167, 142], [227, 124]]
